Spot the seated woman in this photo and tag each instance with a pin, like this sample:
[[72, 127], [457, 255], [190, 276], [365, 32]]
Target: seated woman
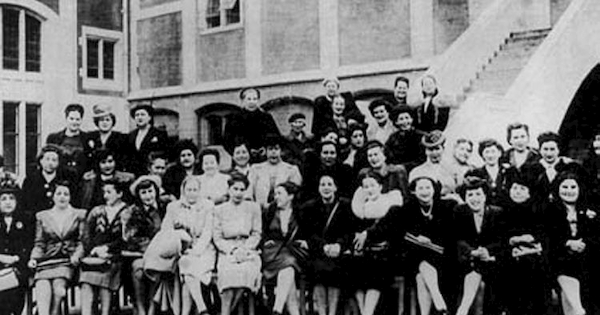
[[526, 283], [478, 244], [16, 233], [370, 250], [327, 219], [571, 232], [57, 249], [236, 234], [213, 183], [283, 252], [100, 274], [428, 222], [141, 221], [193, 215], [39, 185], [104, 170]]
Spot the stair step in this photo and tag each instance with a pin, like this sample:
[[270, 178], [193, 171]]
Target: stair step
[[530, 33], [500, 74], [506, 63]]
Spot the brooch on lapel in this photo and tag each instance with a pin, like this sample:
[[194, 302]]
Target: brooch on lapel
[[590, 213], [91, 144], [19, 225], [155, 139]]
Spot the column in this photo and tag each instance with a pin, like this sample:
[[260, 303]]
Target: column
[[253, 39], [421, 28], [188, 42], [329, 41]]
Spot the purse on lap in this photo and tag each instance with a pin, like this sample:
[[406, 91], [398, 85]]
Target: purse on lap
[[8, 279]]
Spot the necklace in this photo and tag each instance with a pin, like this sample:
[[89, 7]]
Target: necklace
[[426, 212]]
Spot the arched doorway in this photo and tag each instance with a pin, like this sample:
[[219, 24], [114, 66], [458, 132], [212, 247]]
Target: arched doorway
[[282, 108], [363, 98], [581, 122], [167, 120]]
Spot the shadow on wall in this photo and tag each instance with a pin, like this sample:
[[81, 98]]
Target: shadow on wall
[[581, 122]]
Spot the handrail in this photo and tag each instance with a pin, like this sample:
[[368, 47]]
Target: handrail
[[459, 64]]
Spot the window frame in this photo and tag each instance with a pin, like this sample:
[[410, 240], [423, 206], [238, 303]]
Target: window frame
[[223, 26], [22, 43], [102, 35], [21, 133]]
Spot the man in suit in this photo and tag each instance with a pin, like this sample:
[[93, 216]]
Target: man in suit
[[145, 139], [105, 137], [478, 230]]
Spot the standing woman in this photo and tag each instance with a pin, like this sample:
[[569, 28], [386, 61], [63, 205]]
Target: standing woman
[[327, 219], [237, 230], [103, 241], [57, 249], [283, 251], [370, 262], [428, 219], [105, 137], [570, 229], [213, 183], [433, 107], [16, 234], [144, 139], [141, 221], [193, 215]]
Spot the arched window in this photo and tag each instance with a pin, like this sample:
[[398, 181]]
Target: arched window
[[212, 119], [21, 36]]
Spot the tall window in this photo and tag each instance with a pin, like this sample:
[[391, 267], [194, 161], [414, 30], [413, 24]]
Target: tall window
[[17, 131], [101, 58], [221, 13], [21, 36]]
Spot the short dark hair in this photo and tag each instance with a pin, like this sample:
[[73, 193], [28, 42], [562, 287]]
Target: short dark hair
[[401, 109], [548, 137], [486, 143], [111, 115], [209, 151], [401, 79], [374, 143], [290, 187], [437, 186], [50, 148], [514, 126], [472, 183], [369, 173], [186, 144], [379, 102], [327, 142], [569, 174], [145, 184], [246, 89], [237, 177], [118, 185], [103, 154], [61, 183], [155, 155], [74, 107], [464, 140]]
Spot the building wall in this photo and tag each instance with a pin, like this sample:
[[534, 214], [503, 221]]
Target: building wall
[[451, 19], [557, 7], [290, 32], [371, 31], [159, 51], [100, 13], [221, 55], [150, 3], [52, 4]]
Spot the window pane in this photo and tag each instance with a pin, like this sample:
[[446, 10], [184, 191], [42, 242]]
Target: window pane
[[108, 56], [32, 139], [233, 15], [10, 135], [92, 57], [32, 43], [213, 15], [10, 39]]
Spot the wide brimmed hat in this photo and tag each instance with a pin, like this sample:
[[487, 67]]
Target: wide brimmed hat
[[153, 178], [8, 185], [433, 139], [145, 106], [101, 110]]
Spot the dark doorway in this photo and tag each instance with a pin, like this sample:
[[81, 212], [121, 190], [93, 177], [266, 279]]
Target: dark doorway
[[582, 120]]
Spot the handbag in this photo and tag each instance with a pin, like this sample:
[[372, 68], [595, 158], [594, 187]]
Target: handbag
[[8, 279], [95, 264]]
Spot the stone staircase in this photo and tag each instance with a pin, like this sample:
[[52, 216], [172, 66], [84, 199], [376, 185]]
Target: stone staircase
[[503, 68]]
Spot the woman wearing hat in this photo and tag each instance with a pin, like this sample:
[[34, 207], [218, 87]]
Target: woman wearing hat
[[105, 137], [323, 106], [141, 221], [39, 184], [144, 139], [57, 249], [16, 240]]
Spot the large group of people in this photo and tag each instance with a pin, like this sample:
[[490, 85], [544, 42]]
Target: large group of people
[[322, 220]]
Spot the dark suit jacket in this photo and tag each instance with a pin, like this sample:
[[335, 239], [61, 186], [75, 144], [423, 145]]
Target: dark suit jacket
[[37, 193], [467, 238], [18, 241], [436, 118], [75, 163], [173, 178], [323, 113], [497, 188], [542, 191], [320, 229], [509, 157], [394, 178], [250, 127], [116, 143], [155, 141]]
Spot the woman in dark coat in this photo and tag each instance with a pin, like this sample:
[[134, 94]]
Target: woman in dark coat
[[370, 262], [428, 222], [144, 139], [525, 277], [283, 252], [327, 219], [323, 111], [57, 249], [572, 231], [105, 137], [16, 240], [492, 171]]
